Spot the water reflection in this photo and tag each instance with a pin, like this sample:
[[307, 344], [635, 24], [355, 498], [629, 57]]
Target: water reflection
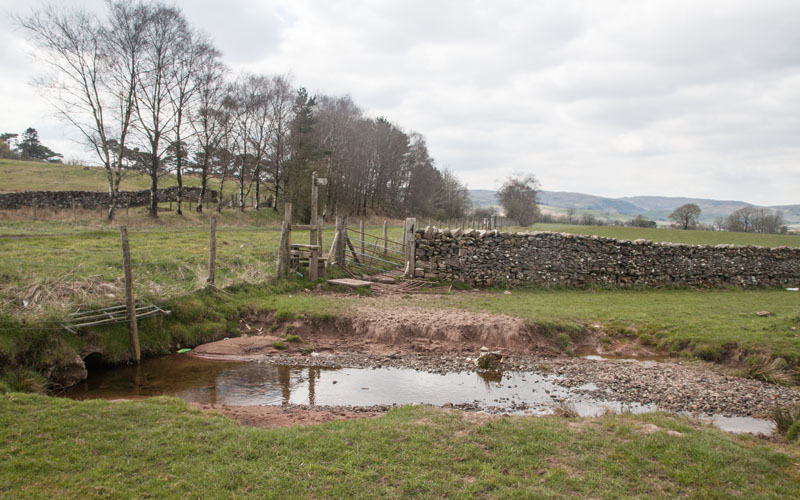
[[202, 381]]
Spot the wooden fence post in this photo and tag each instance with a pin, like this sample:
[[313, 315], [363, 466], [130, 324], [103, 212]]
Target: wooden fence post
[[282, 255], [72, 201], [212, 253], [287, 219], [338, 249], [361, 228], [313, 232], [35, 203], [130, 307], [410, 244], [385, 238]]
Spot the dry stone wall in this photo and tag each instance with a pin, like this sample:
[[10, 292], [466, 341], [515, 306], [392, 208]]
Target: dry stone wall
[[487, 258], [93, 199]]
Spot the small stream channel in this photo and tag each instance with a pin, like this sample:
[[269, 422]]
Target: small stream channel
[[242, 383]]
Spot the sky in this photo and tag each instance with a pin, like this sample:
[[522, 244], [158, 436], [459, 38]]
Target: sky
[[610, 98]]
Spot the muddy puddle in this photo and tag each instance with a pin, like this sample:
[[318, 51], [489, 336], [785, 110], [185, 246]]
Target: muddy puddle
[[247, 384]]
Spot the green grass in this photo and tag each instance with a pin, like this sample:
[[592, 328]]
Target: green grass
[[675, 235], [18, 175], [161, 448], [84, 267]]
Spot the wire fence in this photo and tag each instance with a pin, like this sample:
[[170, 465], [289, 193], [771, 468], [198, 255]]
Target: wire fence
[[58, 273]]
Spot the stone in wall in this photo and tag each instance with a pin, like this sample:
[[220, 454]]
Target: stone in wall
[[93, 199], [487, 258]]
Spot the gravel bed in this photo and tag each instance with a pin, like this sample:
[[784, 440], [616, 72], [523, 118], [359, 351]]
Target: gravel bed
[[671, 386]]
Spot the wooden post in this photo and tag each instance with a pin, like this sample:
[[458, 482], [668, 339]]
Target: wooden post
[[361, 228], [212, 253], [385, 238], [130, 307], [283, 256], [72, 201], [287, 218], [313, 265], [313, 221], [35, 203], [338, 256], [410, 244]]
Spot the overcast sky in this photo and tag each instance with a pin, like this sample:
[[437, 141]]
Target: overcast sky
[[611, 98]]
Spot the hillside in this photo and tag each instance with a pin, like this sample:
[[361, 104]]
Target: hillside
[[656, 208], [16, 175]]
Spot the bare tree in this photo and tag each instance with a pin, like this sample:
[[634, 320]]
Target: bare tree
[[193, 53], [281, 110], [685, 216], [518, 196], [94, 67], [452, 198], [166, 30], [210, 118], [253, 128], [755, 220]]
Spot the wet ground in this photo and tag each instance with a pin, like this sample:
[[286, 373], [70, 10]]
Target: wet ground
[[216, 384]]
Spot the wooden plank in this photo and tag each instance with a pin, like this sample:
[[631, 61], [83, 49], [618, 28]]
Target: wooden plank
[[353, 283]]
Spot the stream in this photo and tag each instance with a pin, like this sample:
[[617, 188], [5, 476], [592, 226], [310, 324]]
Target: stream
[[245, 383]]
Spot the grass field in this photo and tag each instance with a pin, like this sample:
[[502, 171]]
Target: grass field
[[161, 448], [675, 235], [18, 175]]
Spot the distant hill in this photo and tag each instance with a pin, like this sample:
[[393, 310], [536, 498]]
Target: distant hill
[[580, 201], [656, 208]]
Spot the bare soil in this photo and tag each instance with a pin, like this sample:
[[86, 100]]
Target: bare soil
[[379, 330]]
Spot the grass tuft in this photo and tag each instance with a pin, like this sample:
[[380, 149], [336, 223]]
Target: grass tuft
[[22, 380], [786, 417], [770, 370], [566, 409]]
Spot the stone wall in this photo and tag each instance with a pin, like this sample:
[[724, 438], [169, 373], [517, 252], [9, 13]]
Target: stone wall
[[486, 258], [93, 199]]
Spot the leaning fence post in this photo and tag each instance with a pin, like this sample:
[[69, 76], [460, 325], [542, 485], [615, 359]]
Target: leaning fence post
[[212, 253], [361, 229], [130, 307]]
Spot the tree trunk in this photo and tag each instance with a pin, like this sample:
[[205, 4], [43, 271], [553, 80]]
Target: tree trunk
[[154, 187], [111, 192], [180, 186], [203, 183]]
